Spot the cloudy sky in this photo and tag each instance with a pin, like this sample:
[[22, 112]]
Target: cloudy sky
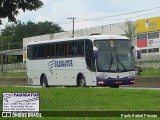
[[90, 13]]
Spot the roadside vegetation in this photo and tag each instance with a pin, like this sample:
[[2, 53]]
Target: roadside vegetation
[[150, 72], [13, 74]]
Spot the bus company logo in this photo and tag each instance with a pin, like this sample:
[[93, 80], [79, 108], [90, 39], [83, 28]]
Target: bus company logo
[[7, 96], [59, 64]]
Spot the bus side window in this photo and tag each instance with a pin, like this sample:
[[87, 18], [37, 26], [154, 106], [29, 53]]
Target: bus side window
[[41, 51], [30, 52], [57, 53], [66, 49], [81, 47], [47, 50], [89, 54], [35, 52], [74, 48], [70, 47], [61, 50], [50, 50]]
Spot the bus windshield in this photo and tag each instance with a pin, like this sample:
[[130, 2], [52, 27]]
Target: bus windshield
[[115, 56]]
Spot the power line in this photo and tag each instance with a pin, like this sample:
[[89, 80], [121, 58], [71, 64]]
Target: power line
[[126, 17], [107, 17], [111, 16]]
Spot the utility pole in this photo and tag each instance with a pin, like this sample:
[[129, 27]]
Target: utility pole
[[1, 48], [73, 25], [1, 53]]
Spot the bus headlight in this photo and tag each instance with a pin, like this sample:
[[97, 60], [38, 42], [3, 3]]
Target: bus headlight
[[133, 81], [103, 76], [100, 82], [130, 76]]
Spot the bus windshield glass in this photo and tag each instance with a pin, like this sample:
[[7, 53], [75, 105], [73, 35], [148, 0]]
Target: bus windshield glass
[[115, 56]]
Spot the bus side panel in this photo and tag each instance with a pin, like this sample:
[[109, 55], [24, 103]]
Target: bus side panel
[[60, 71], [90, 78], [67, 75], [35, 69]]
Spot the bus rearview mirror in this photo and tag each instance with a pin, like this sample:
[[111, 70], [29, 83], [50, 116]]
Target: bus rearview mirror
[[95, 50], [138, 52]]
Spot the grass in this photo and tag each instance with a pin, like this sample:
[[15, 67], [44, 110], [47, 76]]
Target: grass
[[151, 72], [14, 74], [92, 99]]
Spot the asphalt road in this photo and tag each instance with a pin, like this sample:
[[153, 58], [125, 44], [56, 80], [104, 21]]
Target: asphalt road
[[121, 87], [140, 88]]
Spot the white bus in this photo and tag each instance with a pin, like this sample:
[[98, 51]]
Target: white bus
[[98, 60]]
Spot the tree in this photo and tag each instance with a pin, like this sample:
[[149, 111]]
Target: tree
[[12, 58], [130, 30], [13, 34], [10, 8]]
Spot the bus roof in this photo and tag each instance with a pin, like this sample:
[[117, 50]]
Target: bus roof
[[92, 37]]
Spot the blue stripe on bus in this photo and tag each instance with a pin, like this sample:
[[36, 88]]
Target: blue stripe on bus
[[115, 81]]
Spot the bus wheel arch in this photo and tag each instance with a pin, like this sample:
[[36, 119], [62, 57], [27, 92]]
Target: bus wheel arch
[[81, 82], [43, 80]]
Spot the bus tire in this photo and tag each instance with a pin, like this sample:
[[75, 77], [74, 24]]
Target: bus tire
[[44, 82], [81, 82]]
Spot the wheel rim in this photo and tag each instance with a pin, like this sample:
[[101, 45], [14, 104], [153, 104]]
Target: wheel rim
[[82, 82], [44, 83]]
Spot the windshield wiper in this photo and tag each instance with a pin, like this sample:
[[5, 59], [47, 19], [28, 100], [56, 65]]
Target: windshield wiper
[[111, 62], [125, 69]]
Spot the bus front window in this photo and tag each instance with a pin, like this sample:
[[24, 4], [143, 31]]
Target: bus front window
[[114, 56]]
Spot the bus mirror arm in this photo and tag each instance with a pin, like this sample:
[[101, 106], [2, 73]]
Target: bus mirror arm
[[138, 52], [95, 50]]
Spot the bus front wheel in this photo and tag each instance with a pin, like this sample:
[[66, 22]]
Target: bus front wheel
[[44, 82], [81, 82]]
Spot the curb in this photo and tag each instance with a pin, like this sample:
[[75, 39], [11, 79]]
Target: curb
[[151, 82]]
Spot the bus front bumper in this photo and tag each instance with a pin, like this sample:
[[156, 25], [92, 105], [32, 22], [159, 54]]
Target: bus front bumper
[[115, 81]]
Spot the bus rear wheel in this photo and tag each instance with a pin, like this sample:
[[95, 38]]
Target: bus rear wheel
[[44, 83], [81, 82]]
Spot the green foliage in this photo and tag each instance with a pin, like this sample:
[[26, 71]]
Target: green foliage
[[14, 74], [148, 72], [12, 58], [7, 42], [10, 8], [13, 34], [130, 30]]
